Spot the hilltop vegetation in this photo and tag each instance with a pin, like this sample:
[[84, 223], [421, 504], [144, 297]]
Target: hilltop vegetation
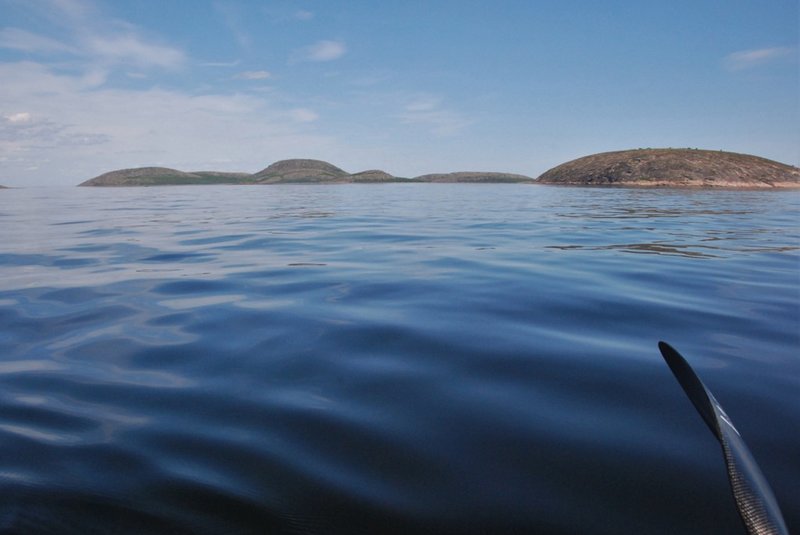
[[673, 167], [472, 176], [375, 176], [300, 172], [164, 176]]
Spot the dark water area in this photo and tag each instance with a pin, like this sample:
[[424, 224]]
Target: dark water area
[[391, 358]]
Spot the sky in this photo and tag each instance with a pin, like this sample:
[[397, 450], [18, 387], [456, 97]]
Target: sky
[[411, 87]]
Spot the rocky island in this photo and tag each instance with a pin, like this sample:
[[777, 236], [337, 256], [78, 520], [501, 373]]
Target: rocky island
[[674, 168], [301, 171], [473, 177], [630, 168], [296, 171], [375, 176], [164, 176]]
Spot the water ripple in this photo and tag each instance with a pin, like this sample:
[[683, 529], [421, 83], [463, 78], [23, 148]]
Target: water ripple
[[390, 359]]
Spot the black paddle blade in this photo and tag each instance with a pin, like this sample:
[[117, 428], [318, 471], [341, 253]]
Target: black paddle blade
[[754, 499]]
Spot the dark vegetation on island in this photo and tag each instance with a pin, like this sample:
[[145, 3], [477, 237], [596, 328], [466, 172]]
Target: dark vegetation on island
[[639, 167], [474, 177], [674, 168], [159, 176], [296, 171]]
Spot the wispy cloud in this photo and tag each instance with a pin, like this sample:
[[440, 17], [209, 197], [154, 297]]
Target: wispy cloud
[[427, 110], [63, 120], [232, 63], [303, 15], [62, 13], [25, 41], [131, 49], [72, 129], [253, 75], [371, 78], [20, 117], [747, 59], [232, 17], [22, 129], [423, 103], [322, 51], [303, 115], [91, 38], [74, 9], [285, 14]]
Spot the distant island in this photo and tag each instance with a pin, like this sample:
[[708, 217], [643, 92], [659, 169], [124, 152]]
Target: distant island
[[474, 177], [297, 171], [674, 168], [628, 168]]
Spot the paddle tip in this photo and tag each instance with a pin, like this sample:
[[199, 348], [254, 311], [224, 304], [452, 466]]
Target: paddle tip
[[691, 385]]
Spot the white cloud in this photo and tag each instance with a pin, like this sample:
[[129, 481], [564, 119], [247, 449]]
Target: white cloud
[[132, 49], [323, 51], [21, 117], [62, 13], [90, 37], [443, 123], [233, 63], [427, 110], [304, 15], [423, 103], [94, 77], [74, 9], [253, 75], [22, 129], [29, 81], [73, 130], [746, 59], [25, 41], [303, 115]]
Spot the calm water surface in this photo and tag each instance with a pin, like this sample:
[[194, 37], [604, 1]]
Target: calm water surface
[[391, 358]]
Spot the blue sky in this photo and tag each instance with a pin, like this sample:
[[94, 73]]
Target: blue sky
[[410, 87]]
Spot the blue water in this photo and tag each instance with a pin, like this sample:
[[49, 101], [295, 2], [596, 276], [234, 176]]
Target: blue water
[[405, 358]]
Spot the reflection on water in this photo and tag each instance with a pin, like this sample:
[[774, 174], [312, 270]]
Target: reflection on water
[[394, 358], [725, 218], [649, 248], [680, 250], [597, 211]]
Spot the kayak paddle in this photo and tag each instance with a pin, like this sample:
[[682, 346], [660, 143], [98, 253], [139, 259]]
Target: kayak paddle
[[754, 499]]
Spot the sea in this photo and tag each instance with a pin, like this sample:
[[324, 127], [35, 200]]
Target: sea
[[397, 358]]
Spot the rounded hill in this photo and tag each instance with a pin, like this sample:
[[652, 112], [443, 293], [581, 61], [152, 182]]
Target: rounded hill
[[162, 176], [373, 175], [140, 176], [300, 171], [673, 167]]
